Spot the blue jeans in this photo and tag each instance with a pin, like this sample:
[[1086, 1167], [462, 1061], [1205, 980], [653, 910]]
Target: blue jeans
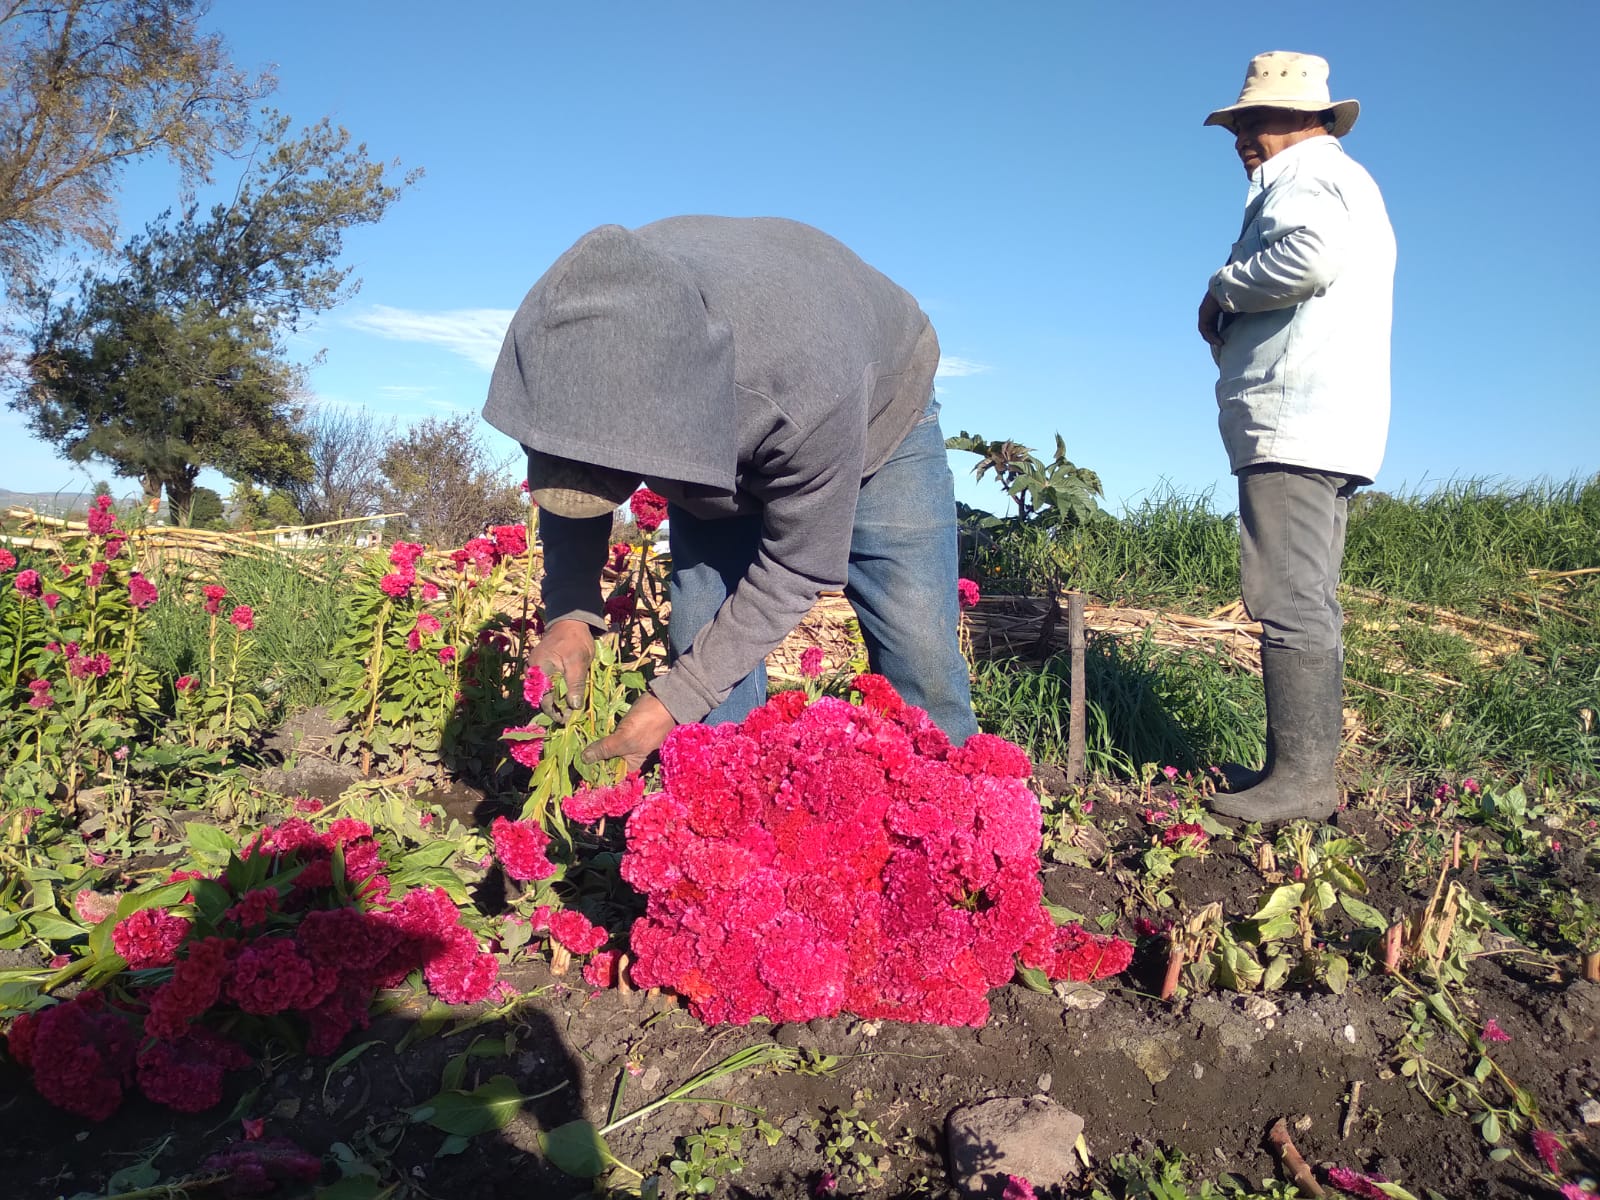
[[901, 582]]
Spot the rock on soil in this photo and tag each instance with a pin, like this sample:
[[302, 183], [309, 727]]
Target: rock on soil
[[1031, 1138]]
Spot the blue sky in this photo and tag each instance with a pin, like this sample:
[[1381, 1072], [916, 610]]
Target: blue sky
[[1035, 173]]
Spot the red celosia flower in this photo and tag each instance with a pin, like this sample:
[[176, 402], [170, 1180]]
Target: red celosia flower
[[97, 573], [149, 937], [479, 551], [520, 846], [9, 560], [589, 804], [509, 540], [619, 555], [967, 593], [257, 1168], [1548, 1147], [601, 970], [114, 545], [27, 582], [1357, 1184], [447, 654], [430, 591], [403, 556], [535, 683], [141, 592], [196, 985], [649, 509], [243, 617], [186, 1074], [271, 975], [1185, 833], [101, 520], [398, 586], [50, 600], [1493, 1033], [81, 1053], [811, 662], [82, 666], [186, 683], [621, 607], [576, 932], [525, 750], [214, 592], [41, 697], [253, 908]]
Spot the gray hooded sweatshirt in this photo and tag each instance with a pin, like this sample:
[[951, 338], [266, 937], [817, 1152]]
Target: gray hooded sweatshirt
[[740, 365]]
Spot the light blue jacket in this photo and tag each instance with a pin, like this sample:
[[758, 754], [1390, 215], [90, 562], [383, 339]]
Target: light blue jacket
[[1307, 299]]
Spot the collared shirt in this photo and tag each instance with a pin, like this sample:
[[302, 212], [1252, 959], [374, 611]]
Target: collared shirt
[[1307, 297]]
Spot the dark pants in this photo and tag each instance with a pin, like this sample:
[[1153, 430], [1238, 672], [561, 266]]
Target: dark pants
[[1291, 543]]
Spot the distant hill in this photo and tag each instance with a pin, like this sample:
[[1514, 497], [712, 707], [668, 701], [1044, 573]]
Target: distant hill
[[54, 504]]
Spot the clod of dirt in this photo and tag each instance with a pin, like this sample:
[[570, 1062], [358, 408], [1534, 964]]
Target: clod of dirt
[[1032, 1138]]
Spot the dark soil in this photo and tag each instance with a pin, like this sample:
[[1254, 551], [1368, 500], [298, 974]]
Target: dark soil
[[1205, 1075]]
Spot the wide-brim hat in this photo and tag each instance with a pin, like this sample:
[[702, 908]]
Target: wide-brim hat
[[578, 490], [1285, 79]]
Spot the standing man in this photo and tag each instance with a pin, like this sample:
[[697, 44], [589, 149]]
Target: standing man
[[778, 392], [1298, 322]]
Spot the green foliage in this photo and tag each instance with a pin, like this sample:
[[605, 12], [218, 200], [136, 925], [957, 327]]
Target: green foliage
[[1163, 1175], [1144, 705], [701, 1161], [852, 1146], [1054, 494], [205, 511], [438, 473]]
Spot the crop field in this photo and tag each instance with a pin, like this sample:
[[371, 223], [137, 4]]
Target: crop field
[[302, 896]]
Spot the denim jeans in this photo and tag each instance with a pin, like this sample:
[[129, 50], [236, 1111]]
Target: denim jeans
[[1291, 543], [901, 582]]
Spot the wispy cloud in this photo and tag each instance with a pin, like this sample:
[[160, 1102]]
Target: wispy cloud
[[951, 367], [473, 333]]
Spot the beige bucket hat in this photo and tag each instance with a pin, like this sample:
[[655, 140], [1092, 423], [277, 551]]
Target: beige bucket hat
[[1284, 79], [573, 489]]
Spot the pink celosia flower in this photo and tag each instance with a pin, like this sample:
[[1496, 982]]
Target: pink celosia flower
[[590, 804], [528, 749], [1018, 1188], [81, 1053], [214, 592], [93, 907], [967, 595], [619, 555], [41, 697], [101, 519], [149, 937], [84, 666], [601, 970], [1170, 771], [114, 545], [186, 683], [811, 662], [141, 592], [1548, 1147], [509, 540], [576, 932], [1493, 1033], [1185, 833], [1470, 786], [398, 586], [534, 686], [430, 591], [447, 654], [649, 509], [7, 559], [1357, 1184], [403, 556], [243, 617], [187, 1074], [50, 600], [27, 582], [521, 848], [97, 573], [1574, 1191]]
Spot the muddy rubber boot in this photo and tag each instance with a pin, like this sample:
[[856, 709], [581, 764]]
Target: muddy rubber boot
[[1305, 715]]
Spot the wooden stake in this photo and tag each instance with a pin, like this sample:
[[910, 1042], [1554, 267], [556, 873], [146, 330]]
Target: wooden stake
[[1455, 852], [1289, 1158], [1078, 715]]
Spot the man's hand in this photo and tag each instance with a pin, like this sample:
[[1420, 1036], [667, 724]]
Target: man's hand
[[565, 652], [1210, 315], [638, 735]]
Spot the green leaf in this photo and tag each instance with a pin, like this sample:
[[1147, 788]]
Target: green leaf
[[1500, 1154], [1490, 1128], [454, 1144], [1481, 1071], [1363, 913], [209, 841], [577, 1148], [1034, 980], [1284, 899], [55, 929], [467, 1114], [1338, 973]]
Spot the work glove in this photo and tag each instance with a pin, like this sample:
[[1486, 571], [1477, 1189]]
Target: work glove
[[564, 652]]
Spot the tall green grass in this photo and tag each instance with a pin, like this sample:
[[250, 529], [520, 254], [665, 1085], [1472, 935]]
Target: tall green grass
[[298, 605], [1469, 546]]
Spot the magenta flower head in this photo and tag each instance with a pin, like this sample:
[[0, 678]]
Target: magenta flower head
[[1548, 1147], [27, 582], [1470, 786], [41, 694], [214, 593], [1354, 1183], [811, 662], [186, 683], [141, 592], [1493, 1033], [967, 593], [50, 600], [243, 617], [1170, 771], [7, 559], [1018, 1188], [649, 509]]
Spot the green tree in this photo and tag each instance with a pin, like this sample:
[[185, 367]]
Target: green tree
[[89, 85], [1054, 494], [205, 512], [180, 361], [440, 476]]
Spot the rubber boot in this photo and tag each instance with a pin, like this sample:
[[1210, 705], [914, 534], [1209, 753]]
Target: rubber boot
[[1305, 715]]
